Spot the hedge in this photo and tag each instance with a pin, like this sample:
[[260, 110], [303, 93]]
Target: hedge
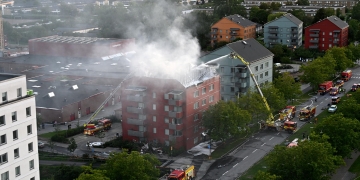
[[62, 136]]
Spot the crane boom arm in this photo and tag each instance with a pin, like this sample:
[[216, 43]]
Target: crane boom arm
[[255, 81], [107, 99]]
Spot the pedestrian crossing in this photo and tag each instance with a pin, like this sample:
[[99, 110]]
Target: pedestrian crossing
[[357, 77]]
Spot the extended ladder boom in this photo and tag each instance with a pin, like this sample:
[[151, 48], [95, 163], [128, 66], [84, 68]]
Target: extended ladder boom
[[107, 99], [234, 55]]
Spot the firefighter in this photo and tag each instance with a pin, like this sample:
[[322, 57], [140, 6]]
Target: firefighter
[[315, 99]]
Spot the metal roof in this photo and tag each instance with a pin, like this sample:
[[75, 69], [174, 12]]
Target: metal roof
[[241, 20], [74, 40], [338, 22], [293, 19], [251, 50]]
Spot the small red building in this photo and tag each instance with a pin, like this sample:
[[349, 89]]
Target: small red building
[[327, 33], [166, 111]]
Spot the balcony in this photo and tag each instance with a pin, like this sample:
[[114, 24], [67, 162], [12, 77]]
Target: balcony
[[137, 122], [294, 43], [233, 33], [273, 31], [314, 41], [136, 133], [336, 36], [336, 42], [273, 37], [241, 84], [314, 35], [241, 74], [135, 98], [294, 37], [175, 114], [172, 126], [214, 38], [175, 102], [214, 32], [314, 47], [136, 110]]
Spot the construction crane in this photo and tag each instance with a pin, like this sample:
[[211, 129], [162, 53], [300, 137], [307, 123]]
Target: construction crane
[[270, 122], [92, 117]]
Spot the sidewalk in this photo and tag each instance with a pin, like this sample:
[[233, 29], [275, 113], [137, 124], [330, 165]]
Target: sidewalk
[[342, 173]]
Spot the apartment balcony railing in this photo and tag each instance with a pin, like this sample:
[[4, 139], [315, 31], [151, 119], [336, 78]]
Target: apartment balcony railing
[[136, 133], [175, 102], [273, 37], [136, 110], [314, 41], [241, 74], [314, 47], [336, 42], [294, 37], [135, 98], [314, 35], [241, 84], [136, 122], [233, 33], [294, 43], [175, 114]]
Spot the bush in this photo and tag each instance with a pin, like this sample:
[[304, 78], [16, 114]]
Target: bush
[[63, 135], [122, 144]]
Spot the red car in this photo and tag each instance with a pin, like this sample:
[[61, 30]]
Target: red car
[[354, 87]]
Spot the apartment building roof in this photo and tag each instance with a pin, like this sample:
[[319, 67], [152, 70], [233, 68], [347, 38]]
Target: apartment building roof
[[75, 40], [251, 50], [290, 17], [338, 22], [6, 76], [240, 20]]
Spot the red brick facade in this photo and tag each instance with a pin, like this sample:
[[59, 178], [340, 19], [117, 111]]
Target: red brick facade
[[164, 111]]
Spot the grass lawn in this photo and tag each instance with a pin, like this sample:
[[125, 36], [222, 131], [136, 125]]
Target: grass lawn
[[355, 167], [53, 157]]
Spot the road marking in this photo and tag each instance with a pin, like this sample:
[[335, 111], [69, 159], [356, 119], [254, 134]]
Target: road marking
[[235, 165], [321, 102], [245, 157], [263, 144], [225, 172], [271, 138], [254, 150], [278, 133], [326, 98]]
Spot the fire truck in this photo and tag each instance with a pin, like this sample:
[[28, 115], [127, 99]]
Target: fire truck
[[287, 113], [307, 113], [346, 75], [186, 172], [339, 83], [325, 87], [334, 91], [335, 100], [290, 126], [102, 124]]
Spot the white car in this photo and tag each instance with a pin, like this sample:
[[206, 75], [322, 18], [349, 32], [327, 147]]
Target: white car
[[332, 108], [95, 144]]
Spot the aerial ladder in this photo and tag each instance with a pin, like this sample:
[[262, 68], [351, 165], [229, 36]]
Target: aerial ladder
[[270, 122], [92, 117]]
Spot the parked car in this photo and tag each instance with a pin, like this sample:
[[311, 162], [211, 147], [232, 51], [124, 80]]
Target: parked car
[[41, 144], [332, 108], [95, 144], [354, 87]]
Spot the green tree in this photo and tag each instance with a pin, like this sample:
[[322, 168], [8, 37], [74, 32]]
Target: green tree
[[275, 6], [355, 14], [318, 71], [274, 96], [300, 14], [344, 133], [72, 146], [303, 2], [225, 119], [309, 160], [92, 174], [131, 166], [341, 59], [66, 9], [253, 12], [261, 175], [350, 108], [278, 52], [274, 16], [264, 6], [355, 51], [287, 85], [323, 13]]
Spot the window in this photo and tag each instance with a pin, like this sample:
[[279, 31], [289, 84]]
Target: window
[[154, 95], [266, 73], [261, 76], [222, 88], [167, 132], [330, 45], [267, 64], [227, 37], [222, 69], [4, 96], [196, 94], [222, 98], [196, 128], [232, 70], [154, 130], [19, 93], [2, 120], [166, 108], [322, 45], [3, 139], [28, 111], [203, 90], [323, 39], [5, 175], [31, 164], [154, 106], [154, 118], [203, 102], [16, 153], [256, 77], [211, 99], [196, 105], [232, 89], [256, 68], [29, 129], [323, 33], [3, 158], [166, 120], [17, 171], [15, 135], [211, 87], [196, 117], [330, 33], [30, 147], [13, 116], [262, 66]]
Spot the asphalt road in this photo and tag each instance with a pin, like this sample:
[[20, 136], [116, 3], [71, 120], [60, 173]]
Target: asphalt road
[[241, 159]]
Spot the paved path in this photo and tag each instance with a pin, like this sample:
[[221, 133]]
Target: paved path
[[343, 172]]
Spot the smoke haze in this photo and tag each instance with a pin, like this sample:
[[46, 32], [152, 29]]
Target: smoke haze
[[164, 48]]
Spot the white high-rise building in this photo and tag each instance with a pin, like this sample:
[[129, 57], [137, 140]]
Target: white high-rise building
[[18, 130]]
